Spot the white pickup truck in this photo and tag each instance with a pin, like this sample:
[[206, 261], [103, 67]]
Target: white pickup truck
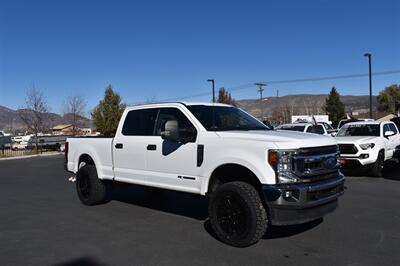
[[368, 144], [253, 176]]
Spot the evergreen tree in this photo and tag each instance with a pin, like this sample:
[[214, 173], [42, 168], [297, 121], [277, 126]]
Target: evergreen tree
[[334, 107], [107, 113], [389, 99], [225, 97]]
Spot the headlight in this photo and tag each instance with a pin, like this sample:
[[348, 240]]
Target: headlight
[[366, 146], [281, 161]]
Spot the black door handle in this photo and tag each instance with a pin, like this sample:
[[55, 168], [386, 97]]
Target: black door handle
[[119, 146], [151, 147]]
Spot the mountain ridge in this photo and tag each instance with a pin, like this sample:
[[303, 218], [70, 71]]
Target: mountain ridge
[[297, 103]]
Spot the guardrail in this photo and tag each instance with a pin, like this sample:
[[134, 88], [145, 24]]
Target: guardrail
[[14, 153], [6, 152]]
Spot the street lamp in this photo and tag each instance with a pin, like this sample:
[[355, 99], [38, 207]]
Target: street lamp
[[370, 83], [213, 88]]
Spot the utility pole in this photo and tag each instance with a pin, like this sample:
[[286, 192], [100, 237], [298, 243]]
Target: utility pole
[[370, 83], [260, 86], [213, 88]]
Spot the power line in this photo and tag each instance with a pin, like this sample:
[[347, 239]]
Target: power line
[[288, 81], [261, 86]]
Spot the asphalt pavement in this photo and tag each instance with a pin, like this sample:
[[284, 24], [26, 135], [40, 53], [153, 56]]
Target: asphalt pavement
[[42, 222]]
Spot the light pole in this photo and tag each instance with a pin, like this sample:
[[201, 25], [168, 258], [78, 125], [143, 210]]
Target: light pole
[[213, 88], [370, 83]]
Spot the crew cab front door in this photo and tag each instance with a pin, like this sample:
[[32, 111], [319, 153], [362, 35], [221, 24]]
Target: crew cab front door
[[391, 142], [174, 164]]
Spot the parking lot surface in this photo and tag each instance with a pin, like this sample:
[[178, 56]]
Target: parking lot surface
[[43, 223]]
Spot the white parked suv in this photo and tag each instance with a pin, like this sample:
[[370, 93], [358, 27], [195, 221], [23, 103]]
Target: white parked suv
[[320, 128], [253, 176], [368, 144]]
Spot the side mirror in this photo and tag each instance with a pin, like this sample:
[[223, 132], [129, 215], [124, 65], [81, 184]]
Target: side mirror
[[389, 133], [171, 131]]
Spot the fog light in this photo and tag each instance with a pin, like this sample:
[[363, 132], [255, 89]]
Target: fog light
[[287, 194], [364, 156]]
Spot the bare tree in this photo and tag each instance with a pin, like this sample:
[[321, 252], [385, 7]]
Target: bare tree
[[35, 113], [74, 110]]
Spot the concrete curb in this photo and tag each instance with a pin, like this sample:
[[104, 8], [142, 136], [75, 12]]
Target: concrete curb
[[31, 156]]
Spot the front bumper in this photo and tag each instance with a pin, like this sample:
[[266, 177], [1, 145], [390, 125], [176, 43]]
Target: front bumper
[[302, 202]]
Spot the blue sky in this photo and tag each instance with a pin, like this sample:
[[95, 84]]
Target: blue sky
[[167, 49]]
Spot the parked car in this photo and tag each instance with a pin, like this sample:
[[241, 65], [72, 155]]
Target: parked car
[[306, 127], [253, 176], [48, 142], [5, 142], [351, 120], [368, 145], [396, 120]]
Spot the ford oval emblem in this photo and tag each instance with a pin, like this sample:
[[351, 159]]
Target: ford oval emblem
[[330, 163]]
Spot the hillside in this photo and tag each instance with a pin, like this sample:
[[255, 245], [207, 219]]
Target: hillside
[[293, 104], [304, 104], [10, 119]]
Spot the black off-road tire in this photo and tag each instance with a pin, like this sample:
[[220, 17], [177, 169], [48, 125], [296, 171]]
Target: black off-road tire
[[377, 167], [91, 190], [237, 215]]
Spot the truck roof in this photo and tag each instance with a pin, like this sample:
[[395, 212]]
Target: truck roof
[[182, 102], [365, 123]]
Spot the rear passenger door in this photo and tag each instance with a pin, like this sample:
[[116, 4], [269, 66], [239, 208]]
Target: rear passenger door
[[130, 145]]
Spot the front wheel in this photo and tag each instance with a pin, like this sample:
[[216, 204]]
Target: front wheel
[[237, 214], [377, 168]]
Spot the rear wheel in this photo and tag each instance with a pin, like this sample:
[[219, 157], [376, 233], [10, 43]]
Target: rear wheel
[[91, 190], [377, 168], [237, 214]]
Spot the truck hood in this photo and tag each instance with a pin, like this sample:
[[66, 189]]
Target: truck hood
[[283, 139], [355, 139]]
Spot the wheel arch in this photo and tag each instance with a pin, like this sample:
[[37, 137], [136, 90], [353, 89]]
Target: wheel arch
[[382, 150], [86, 159], [229, 172]]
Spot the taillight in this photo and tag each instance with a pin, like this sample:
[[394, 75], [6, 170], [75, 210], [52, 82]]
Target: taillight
[[66, 151]]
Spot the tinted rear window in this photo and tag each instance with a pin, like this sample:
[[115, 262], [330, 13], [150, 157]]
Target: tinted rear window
[[140, 122]]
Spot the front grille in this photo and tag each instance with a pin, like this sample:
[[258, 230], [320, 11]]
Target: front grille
[[318, 150], [347, 149], [316, 163]]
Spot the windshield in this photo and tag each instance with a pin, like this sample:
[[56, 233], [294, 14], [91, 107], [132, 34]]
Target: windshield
[[225, 118], [359, 130], [292, 128]]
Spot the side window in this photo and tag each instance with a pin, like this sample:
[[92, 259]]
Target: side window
[[140, 122], [185, 126], [393, 128], [318, 129], [386, 128]]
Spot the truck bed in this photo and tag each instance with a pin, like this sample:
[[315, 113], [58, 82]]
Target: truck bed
[[92, 146]]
